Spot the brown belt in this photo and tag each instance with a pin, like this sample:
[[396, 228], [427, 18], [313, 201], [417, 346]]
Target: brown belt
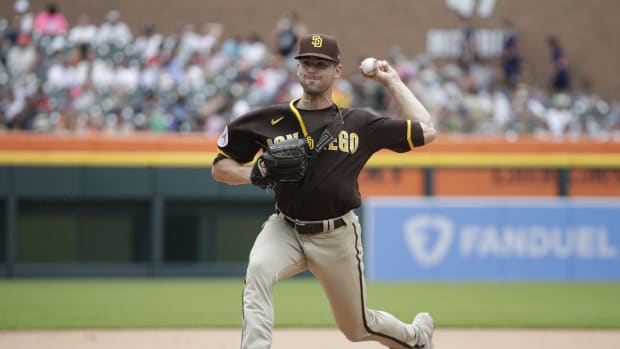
[[312, 228]]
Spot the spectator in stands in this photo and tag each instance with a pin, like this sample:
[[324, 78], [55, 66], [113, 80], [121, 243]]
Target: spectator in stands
[[102, 74], [21, 58], [227, 55], [595, 115], [70, 73], [208, 39], [288, 29], [614, 114], [469, 54], [24, 17], [560, 80], [193, 76], [83, 33], [33, 106], [4, 101], [150, 74], [11, 32], [170, 43], [253, 50], [502, 112], [270, 79], [126, 76], [559, 117], [477, 109], [181, 115], [210, 120], [523, 121], [144, 108], [50, 21], [9, 107], [511, 55], [185, 43], [114, 31], [60, 76], [148, 45]]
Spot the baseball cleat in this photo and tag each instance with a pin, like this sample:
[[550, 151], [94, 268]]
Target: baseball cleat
[[424, 326]]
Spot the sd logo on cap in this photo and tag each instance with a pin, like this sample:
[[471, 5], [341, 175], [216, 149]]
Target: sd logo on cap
[[319, 45]]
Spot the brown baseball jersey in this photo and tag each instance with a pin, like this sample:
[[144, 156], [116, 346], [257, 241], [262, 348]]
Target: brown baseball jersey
[[330, 188]]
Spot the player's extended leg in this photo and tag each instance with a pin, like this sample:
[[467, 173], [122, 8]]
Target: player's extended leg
[[336, 259], [276, 255]]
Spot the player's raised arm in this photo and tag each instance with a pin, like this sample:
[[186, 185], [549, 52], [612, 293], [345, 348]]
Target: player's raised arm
[[409, 105]]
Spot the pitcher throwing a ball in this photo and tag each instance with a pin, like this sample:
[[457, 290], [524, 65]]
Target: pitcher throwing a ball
[[312, 154]]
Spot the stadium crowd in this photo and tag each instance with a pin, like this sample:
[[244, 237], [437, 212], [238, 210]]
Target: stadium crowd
[[57, 77]]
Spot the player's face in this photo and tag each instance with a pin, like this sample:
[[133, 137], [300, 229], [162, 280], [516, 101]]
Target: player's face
[[316, 75]]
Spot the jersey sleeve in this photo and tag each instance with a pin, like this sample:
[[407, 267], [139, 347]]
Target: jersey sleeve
[[238, 141], [394, 134]]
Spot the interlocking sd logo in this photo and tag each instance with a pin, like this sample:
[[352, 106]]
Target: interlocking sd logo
[[317, 41], [428, 238]]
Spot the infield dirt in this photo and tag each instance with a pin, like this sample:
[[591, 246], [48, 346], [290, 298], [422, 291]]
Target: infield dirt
[[302, 339]]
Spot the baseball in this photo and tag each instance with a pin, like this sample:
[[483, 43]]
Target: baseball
[[368, 66]]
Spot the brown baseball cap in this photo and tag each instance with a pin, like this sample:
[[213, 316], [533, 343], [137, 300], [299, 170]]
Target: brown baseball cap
[[319, 45]]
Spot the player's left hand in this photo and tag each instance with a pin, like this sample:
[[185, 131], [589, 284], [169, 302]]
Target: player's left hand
[[286, 161], [259, 176]]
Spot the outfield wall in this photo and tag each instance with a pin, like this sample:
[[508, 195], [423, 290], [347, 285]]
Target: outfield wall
[[146, 204]]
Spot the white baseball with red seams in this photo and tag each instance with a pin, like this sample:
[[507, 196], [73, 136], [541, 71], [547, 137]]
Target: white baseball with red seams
[[368, 66]]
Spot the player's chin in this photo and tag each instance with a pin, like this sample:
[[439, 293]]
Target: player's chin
[[313, 87]]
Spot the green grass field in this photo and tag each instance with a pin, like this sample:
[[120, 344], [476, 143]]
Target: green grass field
[[147, 303]]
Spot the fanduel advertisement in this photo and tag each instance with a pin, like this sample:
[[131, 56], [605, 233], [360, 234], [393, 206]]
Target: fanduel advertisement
[[492, 239]]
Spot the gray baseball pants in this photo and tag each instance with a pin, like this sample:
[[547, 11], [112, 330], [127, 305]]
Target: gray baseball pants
[[335, 258]]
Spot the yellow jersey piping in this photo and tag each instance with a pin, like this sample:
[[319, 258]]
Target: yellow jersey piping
[[298, 115]]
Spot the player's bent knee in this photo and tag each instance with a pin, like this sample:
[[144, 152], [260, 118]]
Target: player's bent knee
[[354, 336], [260, 271]]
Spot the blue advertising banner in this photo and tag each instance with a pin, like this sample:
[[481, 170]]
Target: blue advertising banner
[[492, 239]]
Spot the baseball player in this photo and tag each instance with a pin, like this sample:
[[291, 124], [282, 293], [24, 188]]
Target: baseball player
[[313, 227]]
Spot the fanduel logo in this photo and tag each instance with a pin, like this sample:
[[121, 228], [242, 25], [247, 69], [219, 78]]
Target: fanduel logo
[[418, 233], [536, 241], [430, 238]]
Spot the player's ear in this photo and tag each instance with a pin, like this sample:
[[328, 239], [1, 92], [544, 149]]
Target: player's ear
[[338, 72]]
